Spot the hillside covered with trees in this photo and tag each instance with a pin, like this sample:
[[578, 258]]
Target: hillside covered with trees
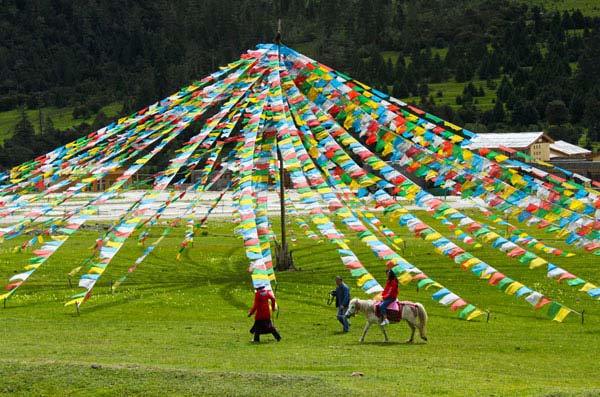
[[489, 65]]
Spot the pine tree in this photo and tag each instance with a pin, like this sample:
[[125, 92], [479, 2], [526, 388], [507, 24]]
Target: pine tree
[[505, 89], [400, 90], [498, 112], [400, 68]]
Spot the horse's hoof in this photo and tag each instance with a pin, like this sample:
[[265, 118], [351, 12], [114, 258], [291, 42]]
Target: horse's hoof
[[360, 341], [409, 341], [424, 338]]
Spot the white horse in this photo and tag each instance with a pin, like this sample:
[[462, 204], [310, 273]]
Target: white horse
[[368, 308]]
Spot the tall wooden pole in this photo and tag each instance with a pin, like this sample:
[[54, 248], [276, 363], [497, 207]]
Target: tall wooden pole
[[284, 257], [284, 248]]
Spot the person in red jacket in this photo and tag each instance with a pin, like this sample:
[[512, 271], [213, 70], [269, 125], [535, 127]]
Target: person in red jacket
[[389, 294], [262, 319]]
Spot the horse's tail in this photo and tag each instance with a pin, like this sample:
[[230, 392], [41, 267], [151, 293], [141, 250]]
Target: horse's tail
[[422, 314]]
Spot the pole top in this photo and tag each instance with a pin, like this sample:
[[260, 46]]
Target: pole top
[[278, 37]]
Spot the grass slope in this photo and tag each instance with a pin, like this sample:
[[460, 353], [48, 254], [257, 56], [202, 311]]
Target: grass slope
[[587, 7], [61, 117], [180, 328], [451, 90]]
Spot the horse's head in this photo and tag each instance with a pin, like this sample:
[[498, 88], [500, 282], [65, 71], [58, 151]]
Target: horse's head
[[351, 308]]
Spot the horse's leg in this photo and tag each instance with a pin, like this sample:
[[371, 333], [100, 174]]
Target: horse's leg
[[384, 333], [362, 338], [412, 331], [421, 332]]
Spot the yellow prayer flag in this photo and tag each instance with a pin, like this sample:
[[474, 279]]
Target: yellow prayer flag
[[388, 148], [363, 279], [434, 284], [563, 233], [260, 277], [430, 175], [515, 179], [433, 236], [342, 245], [453, 126], [475, 313], [377, 165], [418, 130], [513, 288], [576, 205], [395, 215], [320, 220], [470, 263], [456, 138], [30, 267], [467, 154], [74, 301], [348, 122], [537, 262], [404, 278], [586, 287], [489, 237], [113, 244], [562, 313]]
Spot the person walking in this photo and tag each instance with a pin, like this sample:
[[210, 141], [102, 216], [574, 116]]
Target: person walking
[[342, 300], [389, 294], [262, 319]]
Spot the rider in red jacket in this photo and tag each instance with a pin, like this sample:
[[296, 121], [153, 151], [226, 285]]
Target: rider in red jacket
[[262, 319], [389, 294]]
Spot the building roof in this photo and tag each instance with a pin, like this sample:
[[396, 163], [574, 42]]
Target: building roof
[[513, 140], [564, 149]]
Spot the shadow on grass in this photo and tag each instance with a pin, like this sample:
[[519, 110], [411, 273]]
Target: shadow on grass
[[392, 343], [126, 299]]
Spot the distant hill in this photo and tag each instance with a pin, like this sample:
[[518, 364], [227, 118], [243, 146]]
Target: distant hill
[[490, 65]]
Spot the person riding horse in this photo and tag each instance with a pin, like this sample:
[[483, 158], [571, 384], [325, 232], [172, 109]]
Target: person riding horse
[[389, 295]]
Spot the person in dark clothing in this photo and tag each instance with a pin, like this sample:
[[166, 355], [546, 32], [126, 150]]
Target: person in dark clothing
[[389, 294], [342, 300], [262, 319]]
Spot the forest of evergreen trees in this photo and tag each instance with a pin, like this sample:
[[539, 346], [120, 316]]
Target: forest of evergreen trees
[[543, 65]]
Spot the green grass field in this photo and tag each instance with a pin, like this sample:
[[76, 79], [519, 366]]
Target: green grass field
[[61, 117], [451, 89], [180, 328], [587, 7]]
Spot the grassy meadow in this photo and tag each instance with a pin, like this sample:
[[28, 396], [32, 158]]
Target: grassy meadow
[[180, 328], [588, 7], [62, 118]]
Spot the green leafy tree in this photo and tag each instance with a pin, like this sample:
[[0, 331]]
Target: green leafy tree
[[557, 112]]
